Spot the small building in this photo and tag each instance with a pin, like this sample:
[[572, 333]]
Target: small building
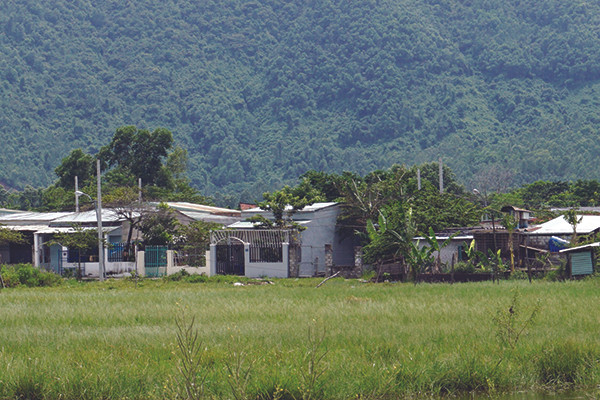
[[39, 229], [539, 236], [580, 259], [522, 215], [246, 249]]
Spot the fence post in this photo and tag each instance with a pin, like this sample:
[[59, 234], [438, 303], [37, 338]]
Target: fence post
[[213, 260], [170, 261], [286, 257], [140, 263]]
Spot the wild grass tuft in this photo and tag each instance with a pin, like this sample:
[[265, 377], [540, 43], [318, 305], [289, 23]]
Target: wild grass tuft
[[192, 365], [565, 363]]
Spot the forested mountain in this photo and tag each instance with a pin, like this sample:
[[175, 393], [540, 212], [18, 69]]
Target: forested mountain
[[261, 91]]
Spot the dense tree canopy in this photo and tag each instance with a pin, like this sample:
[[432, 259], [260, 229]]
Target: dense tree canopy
[[259, 92]]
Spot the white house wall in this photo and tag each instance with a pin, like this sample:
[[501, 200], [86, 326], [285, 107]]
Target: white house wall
[[451, 250], [321, 230]]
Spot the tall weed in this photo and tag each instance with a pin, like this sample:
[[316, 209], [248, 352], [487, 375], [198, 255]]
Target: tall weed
[[192, 366]]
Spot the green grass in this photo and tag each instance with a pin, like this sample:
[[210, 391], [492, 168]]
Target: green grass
[[113, 340]]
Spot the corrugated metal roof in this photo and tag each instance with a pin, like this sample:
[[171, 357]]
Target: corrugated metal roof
[[464, 237], [310, 208], [31, 217], [52, 229], [585, 246], [8, 211], [202, 216], [87, 217], [250, 225], [184, 206], [560, 226]]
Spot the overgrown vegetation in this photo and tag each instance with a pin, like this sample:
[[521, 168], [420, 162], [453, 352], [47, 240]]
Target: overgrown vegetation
[[381, 341], [27, 275], [284, 88]]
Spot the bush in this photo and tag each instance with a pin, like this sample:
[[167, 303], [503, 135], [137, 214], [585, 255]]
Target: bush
[[28, 275], [466, 267], [185, 276]]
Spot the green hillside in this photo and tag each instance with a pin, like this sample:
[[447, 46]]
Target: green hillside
[[261, 91]]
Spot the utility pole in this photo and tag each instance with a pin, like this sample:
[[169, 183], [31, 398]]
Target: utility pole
[[419, 178], [76, 196], [99, 217], [441, 176]]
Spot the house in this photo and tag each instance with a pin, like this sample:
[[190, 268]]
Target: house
[[39, 248], [246, 249], [522, 215], [540, 236]]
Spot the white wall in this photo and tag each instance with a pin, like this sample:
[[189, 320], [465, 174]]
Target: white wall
[[262, 269]]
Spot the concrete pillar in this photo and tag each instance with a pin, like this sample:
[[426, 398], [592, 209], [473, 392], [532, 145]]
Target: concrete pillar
[[293, 261], [207, 262], [328, 259], [36, 250], [286, 257], [170, 261], [246, 256], [141, 263], [212, 259]]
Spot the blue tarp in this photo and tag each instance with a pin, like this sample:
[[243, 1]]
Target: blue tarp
[[555, 244]]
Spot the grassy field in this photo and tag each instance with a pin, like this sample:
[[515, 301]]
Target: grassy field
[[114, 340]]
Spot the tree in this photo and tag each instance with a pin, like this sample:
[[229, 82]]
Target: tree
[[76, 164], [82, 240], [572, 217], [124, 201], [391, 238], [160, 227], [442, 210], [8, 236], [138, 153], [364, 198], [194, 241], [283, 204]]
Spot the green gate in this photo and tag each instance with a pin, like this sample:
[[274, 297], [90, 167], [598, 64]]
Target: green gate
[[155, 260]]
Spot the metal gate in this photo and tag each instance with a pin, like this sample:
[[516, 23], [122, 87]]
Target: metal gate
[[155, 261], [230, 258]]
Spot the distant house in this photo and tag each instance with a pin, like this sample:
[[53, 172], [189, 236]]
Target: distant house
[[245, 249], [522, 215], [39, 229], [539, 236]]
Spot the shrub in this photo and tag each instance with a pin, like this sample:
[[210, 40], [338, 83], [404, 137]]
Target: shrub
[[9, 276], [466, 267], [28, 275], [185, 276]]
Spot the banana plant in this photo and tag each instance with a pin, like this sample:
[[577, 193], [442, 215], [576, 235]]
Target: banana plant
[[435, 246], [511, 223]]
